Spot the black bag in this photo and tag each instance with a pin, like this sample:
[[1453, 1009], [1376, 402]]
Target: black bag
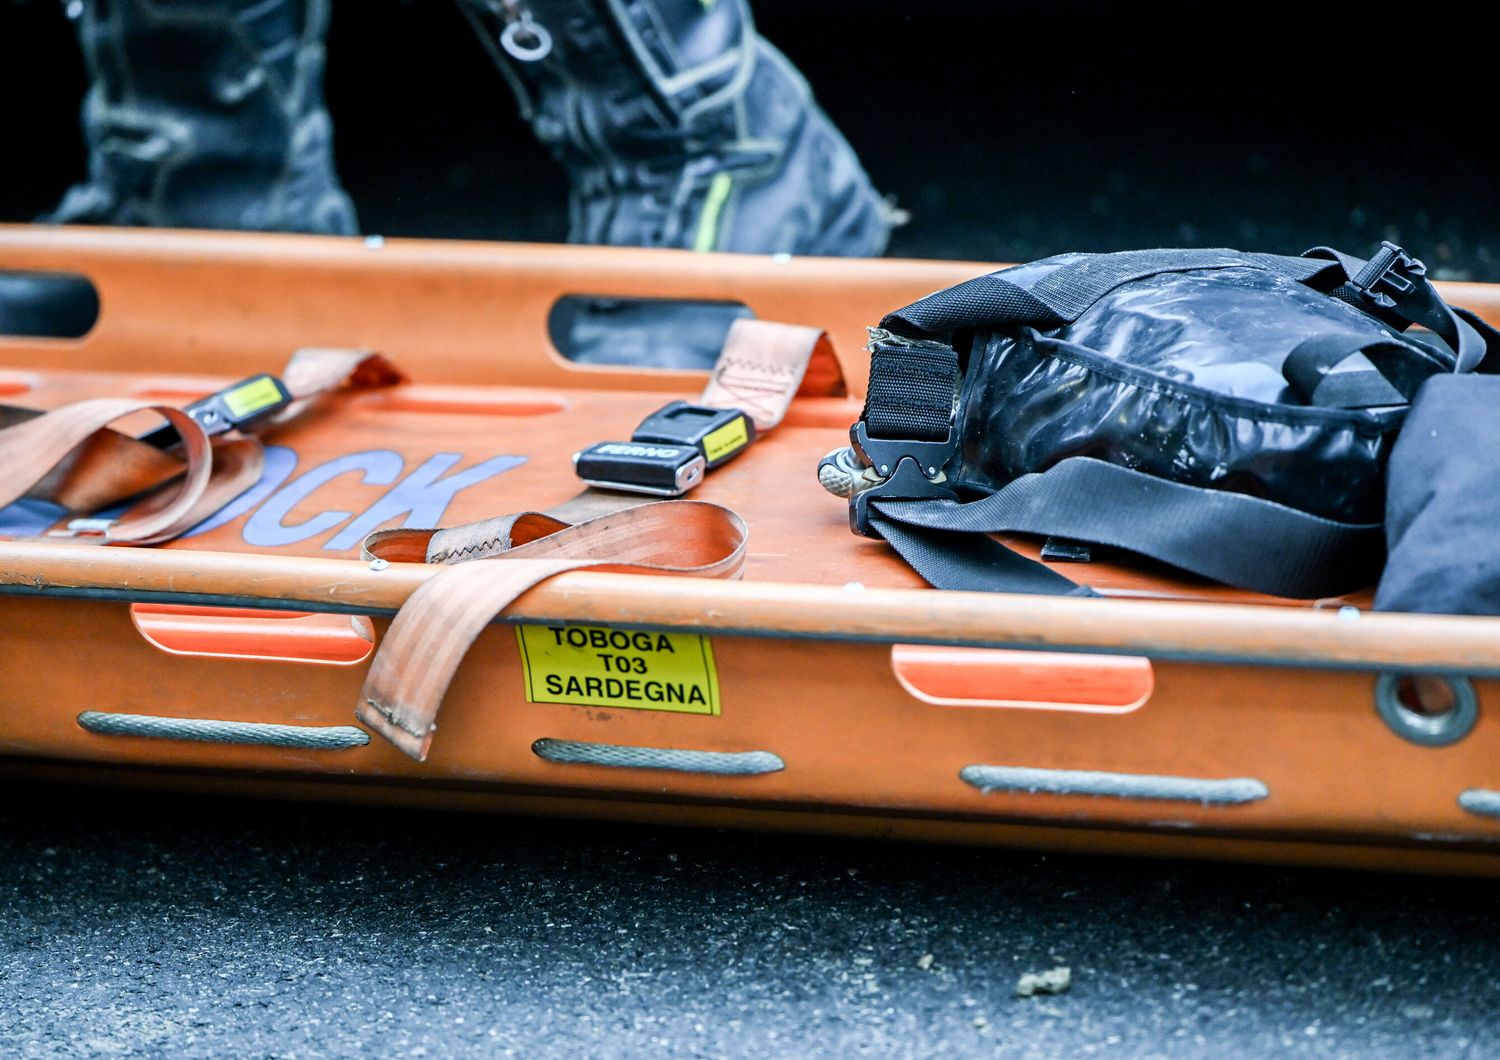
[[1442, 519], [1227, 413]]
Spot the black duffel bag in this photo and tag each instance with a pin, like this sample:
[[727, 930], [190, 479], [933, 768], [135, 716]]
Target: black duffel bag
[[1227, 413]]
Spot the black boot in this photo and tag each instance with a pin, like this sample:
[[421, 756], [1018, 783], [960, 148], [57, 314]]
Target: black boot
[[207, 114], [680, 127], [200, 114]]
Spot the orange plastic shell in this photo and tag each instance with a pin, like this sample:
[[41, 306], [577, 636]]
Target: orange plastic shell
[[830, 655]]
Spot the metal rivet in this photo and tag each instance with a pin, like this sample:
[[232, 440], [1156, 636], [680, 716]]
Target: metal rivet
[[1348, 614], [379, 564], [374, 242]]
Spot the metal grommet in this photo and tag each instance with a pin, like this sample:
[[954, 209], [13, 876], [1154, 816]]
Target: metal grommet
[[526, 41], [1430, 729]]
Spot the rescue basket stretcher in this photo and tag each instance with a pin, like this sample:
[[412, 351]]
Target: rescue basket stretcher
[[827, 690]]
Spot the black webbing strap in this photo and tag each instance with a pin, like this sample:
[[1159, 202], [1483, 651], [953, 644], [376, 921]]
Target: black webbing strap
[[1489, 362], [913, 390], [1230, 537], [1393, 287], [973, 303], [1047, 298], [1390, 375], [951, 559]]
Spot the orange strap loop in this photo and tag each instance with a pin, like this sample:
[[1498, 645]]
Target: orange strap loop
[[436, 626]]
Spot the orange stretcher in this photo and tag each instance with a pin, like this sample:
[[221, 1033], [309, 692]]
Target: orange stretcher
[[826, 690]]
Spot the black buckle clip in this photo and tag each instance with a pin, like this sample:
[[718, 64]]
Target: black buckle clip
[[719, 434], [908, 467], [236, 407], [1393, 269], [669, 453]]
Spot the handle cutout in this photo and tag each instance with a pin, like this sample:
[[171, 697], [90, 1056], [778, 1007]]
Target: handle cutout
[[243, 633], [1026, 680], [643, 333], [47, 305]]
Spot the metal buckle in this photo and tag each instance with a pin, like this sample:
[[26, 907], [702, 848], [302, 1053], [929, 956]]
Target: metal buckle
[[909, 468], [1393, 269], [237, 407], [88, 526]]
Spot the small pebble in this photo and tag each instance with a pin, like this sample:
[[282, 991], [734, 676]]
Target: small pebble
[[1055, 981], [924, 962]]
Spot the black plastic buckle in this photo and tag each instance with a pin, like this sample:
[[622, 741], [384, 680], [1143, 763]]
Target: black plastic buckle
[[669, 452], [908, 467], [719, 434], [654, 468], [1393, 269], [236, 407]]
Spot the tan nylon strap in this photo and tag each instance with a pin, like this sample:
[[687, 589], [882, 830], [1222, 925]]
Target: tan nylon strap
[[317, 370], [70, 457], [763, 365], [76, 481], [436, 626], [46, 442]]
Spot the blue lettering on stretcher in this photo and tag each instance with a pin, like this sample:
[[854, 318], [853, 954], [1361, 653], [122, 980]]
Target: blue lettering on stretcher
[[267, 527], [422, 496], [280, 463]]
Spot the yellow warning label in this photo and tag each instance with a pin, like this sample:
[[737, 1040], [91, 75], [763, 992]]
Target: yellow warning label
[[601, 667], [720, 443], [251, 397]]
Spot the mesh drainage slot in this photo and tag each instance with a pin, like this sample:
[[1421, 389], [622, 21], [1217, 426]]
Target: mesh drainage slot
[[715, 763], [1232, 792], [200, 730]]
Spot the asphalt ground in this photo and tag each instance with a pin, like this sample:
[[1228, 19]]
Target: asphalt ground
[[139, 925]]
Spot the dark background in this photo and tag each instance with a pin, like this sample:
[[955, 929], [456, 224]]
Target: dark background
[[140, 925], [1010, 129]]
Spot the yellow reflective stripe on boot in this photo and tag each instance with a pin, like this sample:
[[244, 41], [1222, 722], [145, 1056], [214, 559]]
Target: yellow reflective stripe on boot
[[707, 237]]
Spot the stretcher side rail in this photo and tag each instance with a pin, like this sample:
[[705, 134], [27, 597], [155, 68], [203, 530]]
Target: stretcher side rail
[[1281, 637]]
